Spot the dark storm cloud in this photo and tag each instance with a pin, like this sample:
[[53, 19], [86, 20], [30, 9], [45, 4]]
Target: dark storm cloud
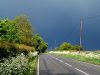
[[58, 19]]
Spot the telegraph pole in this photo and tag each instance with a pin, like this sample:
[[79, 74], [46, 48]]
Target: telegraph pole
[[81, 29]]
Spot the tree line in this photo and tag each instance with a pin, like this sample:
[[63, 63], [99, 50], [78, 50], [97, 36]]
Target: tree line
[[17, 36]]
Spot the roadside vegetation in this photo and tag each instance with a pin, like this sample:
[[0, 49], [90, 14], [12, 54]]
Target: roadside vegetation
[[67, 46], [19, 46], [70, 51], [85, 56], [19, 65]]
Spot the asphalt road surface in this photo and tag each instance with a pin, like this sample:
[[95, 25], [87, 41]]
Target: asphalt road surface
[[54, 65]]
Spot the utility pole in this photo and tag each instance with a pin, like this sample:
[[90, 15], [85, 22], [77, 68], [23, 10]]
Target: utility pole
[[81, 29]]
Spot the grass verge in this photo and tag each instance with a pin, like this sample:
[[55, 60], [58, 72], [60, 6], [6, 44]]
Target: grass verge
[[32, 64], [80, 58]]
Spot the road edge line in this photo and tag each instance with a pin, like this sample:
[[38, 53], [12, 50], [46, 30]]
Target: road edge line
[[38, 66]]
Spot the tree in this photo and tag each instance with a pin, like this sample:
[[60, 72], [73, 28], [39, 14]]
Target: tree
[[39, 44], [65, 46], [11, 35], [8, 36], [25, 29], [68, 46], [77, 48], [8, 31]]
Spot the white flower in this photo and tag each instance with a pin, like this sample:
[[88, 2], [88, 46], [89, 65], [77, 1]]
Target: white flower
[[14, 66], [88, 54]]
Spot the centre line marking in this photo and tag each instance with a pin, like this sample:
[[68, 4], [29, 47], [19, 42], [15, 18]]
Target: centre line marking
[[71, 66], [60, 60], [82, 71], [68, 64]]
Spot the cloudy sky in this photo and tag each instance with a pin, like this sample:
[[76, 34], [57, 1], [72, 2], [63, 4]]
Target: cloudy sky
[[59, 20]]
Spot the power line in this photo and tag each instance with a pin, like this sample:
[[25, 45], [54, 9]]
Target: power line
[[91, 17]]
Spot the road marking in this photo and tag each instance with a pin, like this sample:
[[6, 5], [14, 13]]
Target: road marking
[[60, 60], [68, 64], [86, 63], [38, 66], [82, 71]]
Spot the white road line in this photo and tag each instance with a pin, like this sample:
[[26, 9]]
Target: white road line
[[82, 71], [68, 64], [38, 66], [71, 66], [60, 60], [86, 63]]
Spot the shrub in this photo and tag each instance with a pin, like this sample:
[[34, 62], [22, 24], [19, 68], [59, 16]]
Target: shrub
[[14, 66], [11, 49], [68, 46], [19, 65], [22, 48]]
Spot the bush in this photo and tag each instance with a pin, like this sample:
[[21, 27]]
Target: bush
[[31, 70], [11, 49], [4, 49], [14, 66], [23, 48], [19, 65], [68, 46]]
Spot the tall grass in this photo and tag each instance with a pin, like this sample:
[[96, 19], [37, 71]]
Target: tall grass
[[85, 56], [32, 62], [10, 49], [82, 58], [22, 47]]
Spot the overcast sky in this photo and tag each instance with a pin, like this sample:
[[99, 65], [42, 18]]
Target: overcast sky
[[59, 20]]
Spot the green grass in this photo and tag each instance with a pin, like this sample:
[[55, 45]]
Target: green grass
[[32, 65], [81, 58]]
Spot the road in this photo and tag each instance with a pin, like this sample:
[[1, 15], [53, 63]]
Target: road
[[54, 65]]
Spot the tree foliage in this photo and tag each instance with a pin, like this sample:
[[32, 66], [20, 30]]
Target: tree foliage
[[39, 44], [16, 36], [25, 29], [67, 46], [8, 31]]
